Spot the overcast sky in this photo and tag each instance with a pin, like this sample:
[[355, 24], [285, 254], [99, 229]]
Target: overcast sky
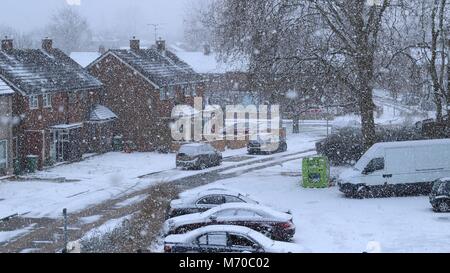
[[134, 15]]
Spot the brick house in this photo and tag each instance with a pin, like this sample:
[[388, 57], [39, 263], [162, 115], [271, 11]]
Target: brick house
[[142, 87], [58, 103], [6, 124]]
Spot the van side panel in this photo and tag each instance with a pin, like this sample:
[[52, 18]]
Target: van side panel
[[400, 160], [432, 158]]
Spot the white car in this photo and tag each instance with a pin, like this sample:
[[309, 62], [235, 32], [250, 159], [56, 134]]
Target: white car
[[226, 239], [201, 201], [274, 224]]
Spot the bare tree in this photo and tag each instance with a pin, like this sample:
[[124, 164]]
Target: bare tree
[[438, 51], [196, 33], [281, 38], [21, 40], [70, 30]]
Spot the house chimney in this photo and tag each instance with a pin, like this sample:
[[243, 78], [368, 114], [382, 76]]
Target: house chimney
[[161, 45], [47, 44], [102, 49], [134, 44], [7, 44]]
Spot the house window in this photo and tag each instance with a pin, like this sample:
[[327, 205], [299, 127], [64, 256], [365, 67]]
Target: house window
[[72, 97], [3, 154], [186, 90], [47, 100], [171, 92], [34, 102], [193, 91], [163, 93]]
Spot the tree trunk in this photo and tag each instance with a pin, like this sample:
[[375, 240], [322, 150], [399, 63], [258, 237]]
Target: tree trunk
[[366, 104], [367, 108]]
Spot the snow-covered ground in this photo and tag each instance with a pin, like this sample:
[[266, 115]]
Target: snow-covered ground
[[328, 222], [97, 179], [7, 236]]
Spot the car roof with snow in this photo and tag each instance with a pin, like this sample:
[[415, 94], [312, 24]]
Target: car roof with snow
[[194, 145], [187, 237], [189, 198], [254, 207], [397, 144], [212, 191], [195, 148], [195, 191]]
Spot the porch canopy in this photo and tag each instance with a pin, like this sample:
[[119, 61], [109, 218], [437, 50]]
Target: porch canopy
[[101, 114]]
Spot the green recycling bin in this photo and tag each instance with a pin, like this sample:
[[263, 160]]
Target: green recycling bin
[[118, 143], [315, 172], [32, 163], [17, 167]]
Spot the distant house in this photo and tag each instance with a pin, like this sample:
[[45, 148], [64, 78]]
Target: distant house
[[6, 125], [84, 58], [228, 83], [57, 102], [142, 87]]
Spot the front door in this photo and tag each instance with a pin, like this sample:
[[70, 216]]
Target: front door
[[59, 147]]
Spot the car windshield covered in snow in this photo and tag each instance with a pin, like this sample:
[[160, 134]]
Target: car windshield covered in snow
[[442, 186], [192, 149]]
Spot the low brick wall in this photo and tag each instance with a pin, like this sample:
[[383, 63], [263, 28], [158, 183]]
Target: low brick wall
[[236, 144], [219, 145]]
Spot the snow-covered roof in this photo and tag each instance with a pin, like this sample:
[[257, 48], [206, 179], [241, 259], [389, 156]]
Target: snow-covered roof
[[209, 64], [84, 58], [162, 69], [35, 71], [67, 126], [101, 113], [5, 89]]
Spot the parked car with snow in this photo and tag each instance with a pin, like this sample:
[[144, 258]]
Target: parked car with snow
[[268, 144], [226, 239], [274, 224], [397, 169], [440, 195], [205, 200], [198, 156]]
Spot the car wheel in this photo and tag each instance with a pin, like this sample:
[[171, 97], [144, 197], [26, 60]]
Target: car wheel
[[443, 207], [363, 192], [267, 231]]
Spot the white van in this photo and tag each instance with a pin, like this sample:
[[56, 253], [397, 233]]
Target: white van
[[397, 169]]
